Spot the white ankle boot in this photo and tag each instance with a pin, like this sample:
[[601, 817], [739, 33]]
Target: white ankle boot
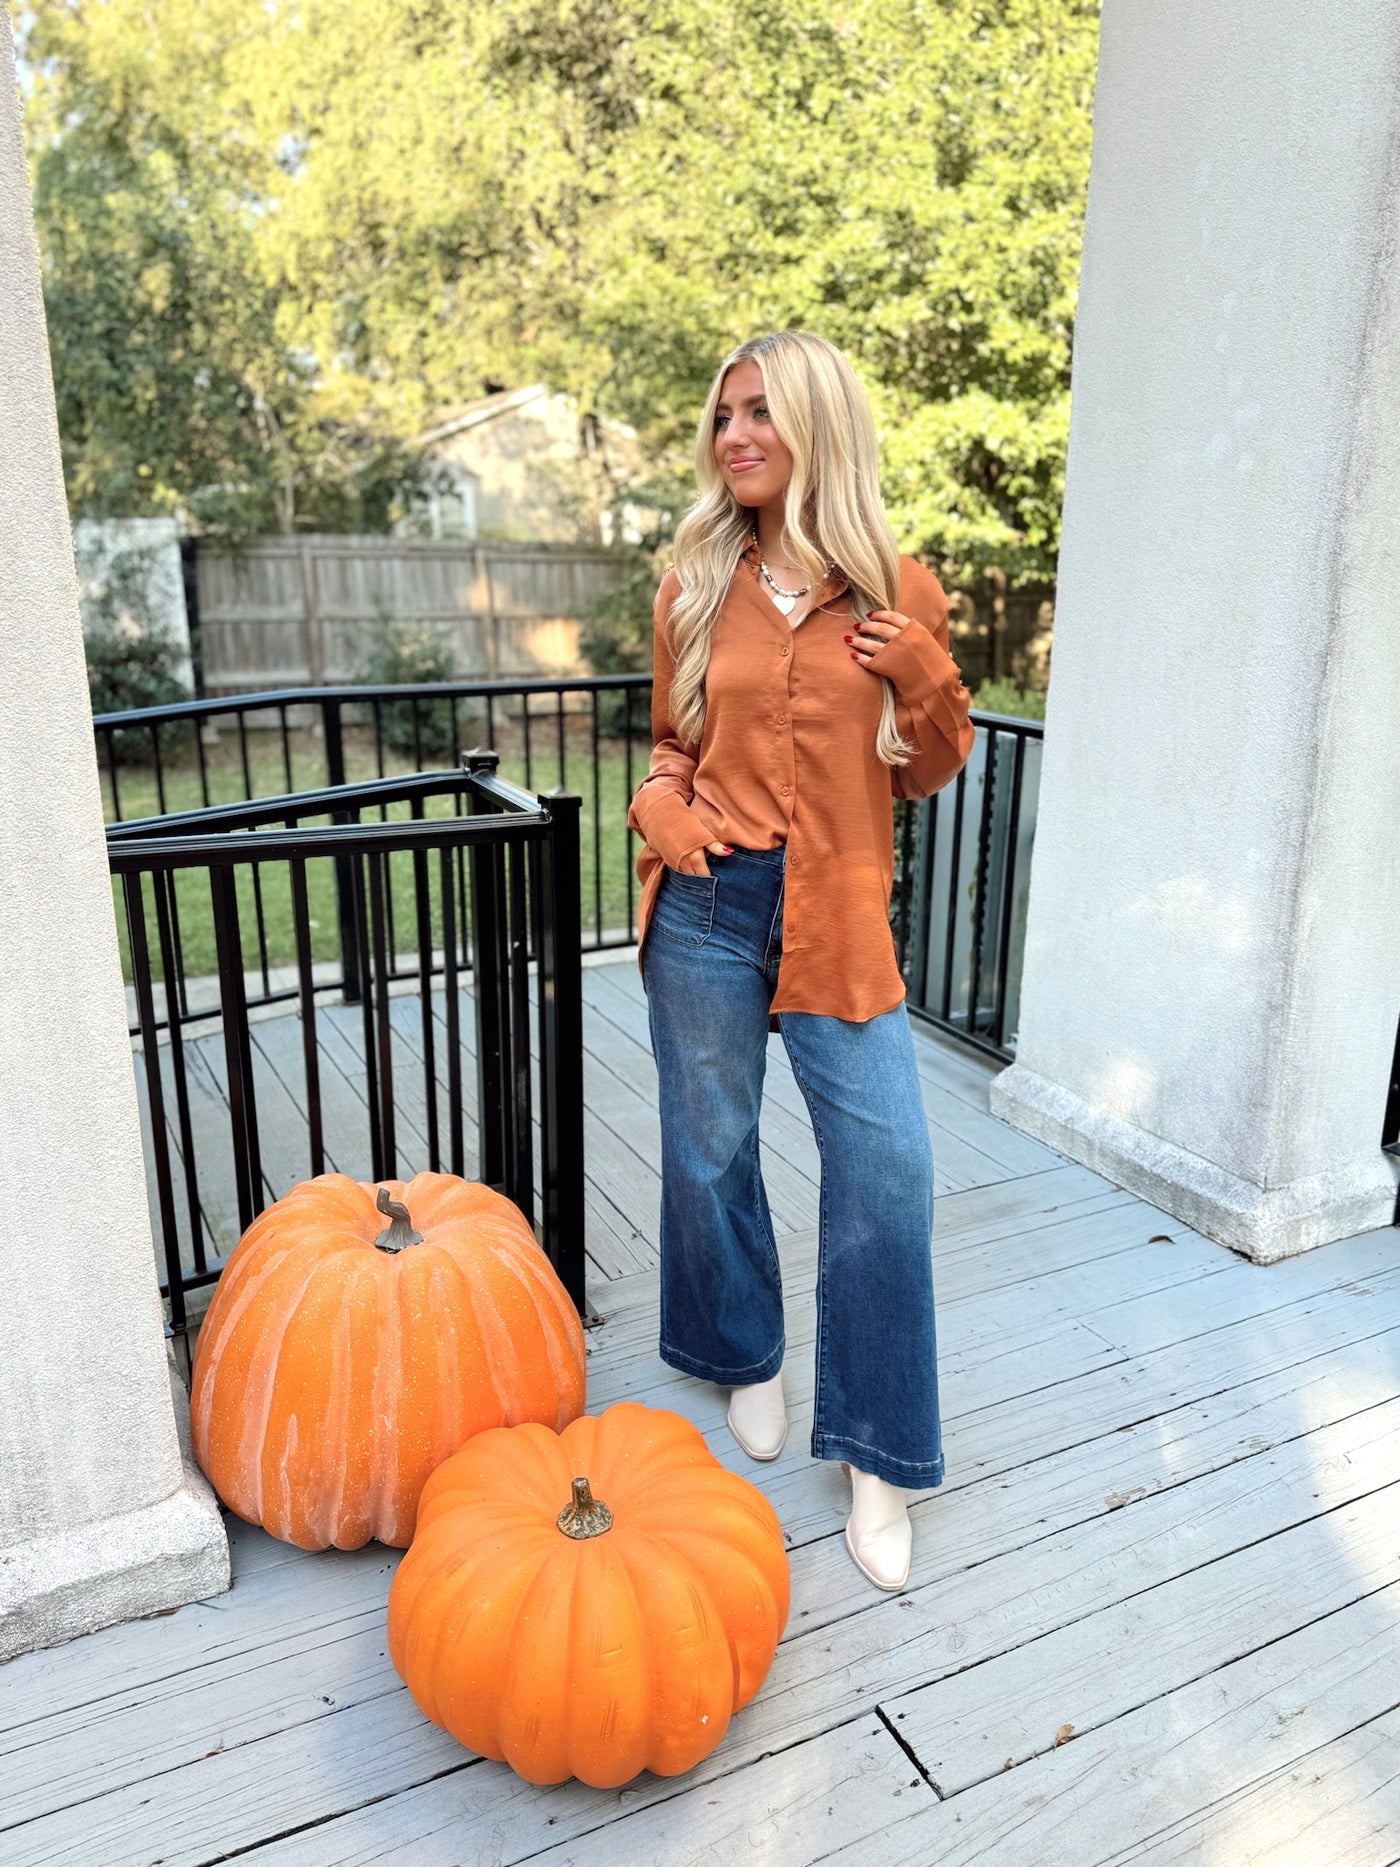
[[879, 1534], [758, 1417]]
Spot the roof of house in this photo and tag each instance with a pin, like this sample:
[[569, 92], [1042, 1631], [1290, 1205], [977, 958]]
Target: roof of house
[[453, 420]]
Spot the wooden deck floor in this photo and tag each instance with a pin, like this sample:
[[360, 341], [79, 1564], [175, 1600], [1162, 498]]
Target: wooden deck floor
[[1153, 1615]]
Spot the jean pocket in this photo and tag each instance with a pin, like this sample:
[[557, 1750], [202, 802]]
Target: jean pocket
[[685, 906]]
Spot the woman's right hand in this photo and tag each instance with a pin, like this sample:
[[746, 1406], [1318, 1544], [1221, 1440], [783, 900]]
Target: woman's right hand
[[693, 861]]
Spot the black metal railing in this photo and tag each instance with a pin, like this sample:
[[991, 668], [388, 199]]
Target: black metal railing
[[590, 733], [239, 1106], [962, 857], [1390, 1120], [962, 884]]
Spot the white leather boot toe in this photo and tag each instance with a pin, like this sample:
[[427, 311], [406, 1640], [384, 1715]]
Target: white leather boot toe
[[879, 1534], [758, 1417]]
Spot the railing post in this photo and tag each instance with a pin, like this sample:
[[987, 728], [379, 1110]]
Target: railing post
[[189, 578], [155, 1091], [981, 879], [560, 986], [1390, 1125], [488, 965], [238, 1050], [914, 961], [352, 983]]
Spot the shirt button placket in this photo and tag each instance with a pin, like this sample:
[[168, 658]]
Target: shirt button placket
[[788, 927]]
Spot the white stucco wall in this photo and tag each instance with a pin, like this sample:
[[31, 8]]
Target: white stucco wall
[[1212, 980], [99, 1515]]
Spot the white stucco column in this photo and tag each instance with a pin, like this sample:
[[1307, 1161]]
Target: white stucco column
[[1212, 974], [101, 1517]]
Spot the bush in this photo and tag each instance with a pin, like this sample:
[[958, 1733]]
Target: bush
[[1004, 696], [405, 655], [131, 661], [125, 670]]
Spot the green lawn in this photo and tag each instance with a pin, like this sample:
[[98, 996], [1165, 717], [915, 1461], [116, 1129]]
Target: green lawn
[[266, 902]]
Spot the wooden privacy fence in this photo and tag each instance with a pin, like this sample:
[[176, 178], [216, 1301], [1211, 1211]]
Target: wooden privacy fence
[[996, 632], [284, 612]]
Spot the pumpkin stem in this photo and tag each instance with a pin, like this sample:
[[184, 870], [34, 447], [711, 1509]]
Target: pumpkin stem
[[399, 1232], [585, 1515]]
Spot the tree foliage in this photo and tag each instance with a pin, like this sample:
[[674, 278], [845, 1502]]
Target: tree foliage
[[277, 236]]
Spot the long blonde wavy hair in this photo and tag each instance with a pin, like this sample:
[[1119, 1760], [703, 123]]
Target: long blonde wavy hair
[[833, 513]]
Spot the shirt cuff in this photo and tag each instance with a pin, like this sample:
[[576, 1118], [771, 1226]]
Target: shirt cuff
[[672, 828], [917, 662]]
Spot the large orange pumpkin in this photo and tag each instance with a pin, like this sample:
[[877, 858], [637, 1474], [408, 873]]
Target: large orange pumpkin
[[590, 1603], [359, 1334]]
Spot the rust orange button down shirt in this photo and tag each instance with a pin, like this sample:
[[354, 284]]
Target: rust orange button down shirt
[[787, 754]]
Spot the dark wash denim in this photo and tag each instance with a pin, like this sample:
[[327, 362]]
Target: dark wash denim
[[709, 967]]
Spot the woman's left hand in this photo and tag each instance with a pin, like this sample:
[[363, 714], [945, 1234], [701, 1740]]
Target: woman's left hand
[[882, 623]]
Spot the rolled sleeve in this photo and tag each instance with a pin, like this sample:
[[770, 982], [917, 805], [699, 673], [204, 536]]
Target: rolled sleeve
[[931, 706], [918, 664], [665, 820]]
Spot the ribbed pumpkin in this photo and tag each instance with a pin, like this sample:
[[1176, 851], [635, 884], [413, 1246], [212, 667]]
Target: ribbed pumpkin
[[362, 1332], [589, 1603]]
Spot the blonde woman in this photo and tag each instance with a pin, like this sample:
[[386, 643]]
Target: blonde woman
[[801, 681]]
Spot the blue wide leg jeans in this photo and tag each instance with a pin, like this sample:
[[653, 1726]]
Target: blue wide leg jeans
[[709, 967]]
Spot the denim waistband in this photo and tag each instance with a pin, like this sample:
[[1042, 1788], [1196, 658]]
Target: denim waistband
[[775, 855]]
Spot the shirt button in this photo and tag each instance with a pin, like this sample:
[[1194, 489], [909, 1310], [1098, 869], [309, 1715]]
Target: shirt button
[[786, 789], [787, 648], [782, 719]]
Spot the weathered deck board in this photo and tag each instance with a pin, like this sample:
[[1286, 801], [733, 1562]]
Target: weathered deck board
[[845, 1788], [1339, 1803], [972, 1726], [1169, 1513], [1188, 1750]]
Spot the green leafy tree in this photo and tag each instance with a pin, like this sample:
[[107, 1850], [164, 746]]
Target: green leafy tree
[[178, 386], [380, 210]]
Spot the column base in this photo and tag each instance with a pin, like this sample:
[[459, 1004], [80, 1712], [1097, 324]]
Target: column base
[[74, 1581], [1262, 1223]]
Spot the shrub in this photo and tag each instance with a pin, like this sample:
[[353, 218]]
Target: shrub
[[130, 661], [404, 655], [1004, 696], [127, 670]]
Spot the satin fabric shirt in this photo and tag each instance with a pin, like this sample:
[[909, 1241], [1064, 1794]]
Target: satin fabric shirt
[[787, 754]]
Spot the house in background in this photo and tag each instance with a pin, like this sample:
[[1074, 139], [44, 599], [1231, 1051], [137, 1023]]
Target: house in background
[[523, 465]]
